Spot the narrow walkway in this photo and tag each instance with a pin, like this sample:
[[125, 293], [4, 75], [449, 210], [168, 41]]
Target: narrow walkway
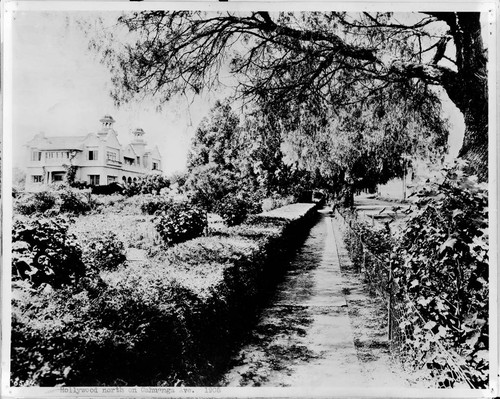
[[304, 337]]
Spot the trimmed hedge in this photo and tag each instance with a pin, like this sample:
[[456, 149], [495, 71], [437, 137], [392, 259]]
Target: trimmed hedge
[[171, 320]]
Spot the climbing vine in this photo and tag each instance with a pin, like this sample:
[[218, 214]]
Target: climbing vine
[[443, 270]]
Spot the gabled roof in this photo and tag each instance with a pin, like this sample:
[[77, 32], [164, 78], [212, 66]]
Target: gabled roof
[[129, 148], [155, 152], [58, 143]]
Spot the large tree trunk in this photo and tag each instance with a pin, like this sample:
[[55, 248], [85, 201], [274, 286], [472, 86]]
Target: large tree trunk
[[469, 91]]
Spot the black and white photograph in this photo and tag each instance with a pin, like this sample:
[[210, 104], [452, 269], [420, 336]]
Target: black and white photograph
[[213, 199]]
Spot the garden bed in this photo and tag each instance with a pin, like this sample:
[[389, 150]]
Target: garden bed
[[173, 318]]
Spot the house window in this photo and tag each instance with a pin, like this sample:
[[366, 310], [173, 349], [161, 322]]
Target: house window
[[155, 165], [36, 178], [52, 155], [36, 156], [138, 161], [111, 179], [111, 155], [93, 155], [57, 176], [94, 180]]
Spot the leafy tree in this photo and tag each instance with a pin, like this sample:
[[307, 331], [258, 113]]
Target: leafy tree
[[230, 159], [369, 143], [213, 158], [216, 138], [263, 162], [335, 58]]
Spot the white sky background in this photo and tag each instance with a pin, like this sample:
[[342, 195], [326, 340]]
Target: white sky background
[[61, 89]]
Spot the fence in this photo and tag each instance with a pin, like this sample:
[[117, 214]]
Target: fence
[[415, 351]]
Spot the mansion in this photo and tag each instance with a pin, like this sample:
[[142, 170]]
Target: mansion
[[98, 158]]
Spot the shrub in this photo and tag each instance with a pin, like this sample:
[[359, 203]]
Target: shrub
[[443, 270], [44, 252], [152, 184], [35, 202], [158, 323], [17, 192], [233, 210], [80, 185], [378, 240], [132, 189], [108, 189], [152, 204], [104, 253], [207, 185], [116, 201], [75, 201], [180, 222], [134, 329]]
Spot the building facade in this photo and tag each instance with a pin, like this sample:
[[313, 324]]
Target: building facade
[[97, 158]]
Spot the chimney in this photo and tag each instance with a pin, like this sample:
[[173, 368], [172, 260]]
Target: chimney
[[138, 133], [107, 125]]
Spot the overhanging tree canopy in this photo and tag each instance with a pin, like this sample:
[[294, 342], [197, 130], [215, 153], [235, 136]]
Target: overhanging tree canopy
[[336, 58]]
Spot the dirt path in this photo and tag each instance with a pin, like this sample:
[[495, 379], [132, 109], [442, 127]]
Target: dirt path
[[305, 336]]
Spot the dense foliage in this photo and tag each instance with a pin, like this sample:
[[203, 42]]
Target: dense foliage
[[58, 199], [234, 165], [44, 253], [153, 204], [167, 321], [132, 328], [151, 184], [75, 201], [367, 144], [439, 282], [234, 209], [443, 270], [104, 252], [108, 189], [293, 59], [181, 221], [38, 202]]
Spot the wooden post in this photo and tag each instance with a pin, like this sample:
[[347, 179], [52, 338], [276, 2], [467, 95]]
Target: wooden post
[[389, 310]]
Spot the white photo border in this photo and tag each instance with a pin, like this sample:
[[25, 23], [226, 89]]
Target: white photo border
[[9, 8]]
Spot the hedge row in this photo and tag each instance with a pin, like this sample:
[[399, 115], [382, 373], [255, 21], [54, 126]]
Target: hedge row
[[171, 320]]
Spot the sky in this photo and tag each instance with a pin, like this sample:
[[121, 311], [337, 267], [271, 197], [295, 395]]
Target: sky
[[60, 88]]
